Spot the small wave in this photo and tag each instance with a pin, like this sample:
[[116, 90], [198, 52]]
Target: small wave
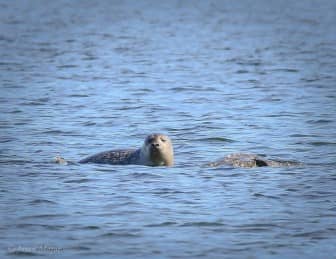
[[147, 90], [53, 132], [125, 108], [33, 103], [120, 234], [85, 180], [266, 196], [60, 132], [7, 139], [42, 216], [193, 88], [78, 95], [321, 121], [242, 71], [41, 201], [90, 227], [145, 175], [202, 224], [49, 227], [217, 139], [88, 123], [312, 234], [5, 38], [290, 70], [121, 204], [163, 224], [15, 111], [4, 125], [15, 161], [166, 191], [9, 63], [80, 248], [122, 49], [67, 66], [302, 135], [257, 227], [322, 143], [309, 80]]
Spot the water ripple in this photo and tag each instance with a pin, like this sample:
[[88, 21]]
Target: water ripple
[[218, 77]]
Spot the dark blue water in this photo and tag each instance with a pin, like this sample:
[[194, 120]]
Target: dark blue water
[[79, 77]]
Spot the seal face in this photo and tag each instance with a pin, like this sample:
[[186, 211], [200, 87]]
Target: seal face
[[157, 150]]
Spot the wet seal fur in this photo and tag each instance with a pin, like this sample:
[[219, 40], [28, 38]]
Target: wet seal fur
[[157, 150], [251, 160]]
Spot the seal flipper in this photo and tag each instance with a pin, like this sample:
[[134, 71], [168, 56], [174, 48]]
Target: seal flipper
[[60, 160]]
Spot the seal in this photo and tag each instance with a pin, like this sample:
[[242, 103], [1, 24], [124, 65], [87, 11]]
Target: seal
[[157, 150], [251, 160]]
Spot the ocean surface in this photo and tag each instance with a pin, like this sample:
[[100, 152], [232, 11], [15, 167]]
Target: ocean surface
[[80, 77]]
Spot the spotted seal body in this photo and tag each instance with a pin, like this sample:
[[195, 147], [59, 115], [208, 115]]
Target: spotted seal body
[[157, 150], [250, 160]]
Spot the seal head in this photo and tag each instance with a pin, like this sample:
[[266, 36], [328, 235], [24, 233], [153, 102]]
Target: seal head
[[158, 150]]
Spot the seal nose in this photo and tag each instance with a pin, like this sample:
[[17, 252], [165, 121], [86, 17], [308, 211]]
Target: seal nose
[[156, 145]]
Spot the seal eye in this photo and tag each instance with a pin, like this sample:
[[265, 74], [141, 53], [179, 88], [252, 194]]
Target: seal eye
[[149, 140], [163, 140]]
